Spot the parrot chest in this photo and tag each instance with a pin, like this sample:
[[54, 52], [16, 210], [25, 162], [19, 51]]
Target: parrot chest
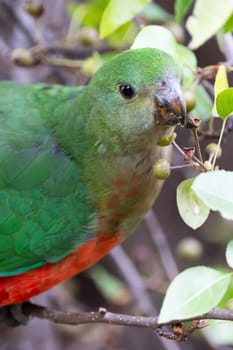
[[130, 192]]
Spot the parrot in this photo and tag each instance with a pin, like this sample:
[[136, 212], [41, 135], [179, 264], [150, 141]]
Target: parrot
[[76, 174]]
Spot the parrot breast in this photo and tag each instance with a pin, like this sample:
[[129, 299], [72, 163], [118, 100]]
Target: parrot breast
[[128, 191]]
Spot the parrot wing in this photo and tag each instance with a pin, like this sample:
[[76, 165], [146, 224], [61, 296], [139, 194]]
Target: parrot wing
[[44, 210]]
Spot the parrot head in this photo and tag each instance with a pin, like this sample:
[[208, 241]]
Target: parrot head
[[135, 99]]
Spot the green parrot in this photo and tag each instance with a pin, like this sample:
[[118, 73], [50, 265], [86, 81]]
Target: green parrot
[[76, 174]]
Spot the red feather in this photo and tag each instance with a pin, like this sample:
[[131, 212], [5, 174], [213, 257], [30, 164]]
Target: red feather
[[20, 288]]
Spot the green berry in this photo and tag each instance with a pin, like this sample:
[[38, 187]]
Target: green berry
[[24, 58], [190, 100], [161, 169], [212, 148], [88, 36], [33, 10], [167, 139], [189, 249], [207, 165]]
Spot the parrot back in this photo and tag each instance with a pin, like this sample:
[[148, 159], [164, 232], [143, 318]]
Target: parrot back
[[44, 211]]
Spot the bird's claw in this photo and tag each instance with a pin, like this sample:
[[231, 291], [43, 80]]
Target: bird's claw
[[13, 315]]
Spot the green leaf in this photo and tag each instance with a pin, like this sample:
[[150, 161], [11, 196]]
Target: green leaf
[[216, 191], [228, 26], [85, 15], [154, 12], [221, 83], [204, 104], [220, 39], [77, 13], [227, 301], [94, 14], [224, 103], [188, 62], [124, 35], [193, 292], [118, 13], [181, 8], [192, 210], [220, 334], [229, 254], [207, 18], [156, 37]]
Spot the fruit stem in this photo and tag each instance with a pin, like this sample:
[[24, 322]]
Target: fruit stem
[[195, 134], [185, 157], [219, 142]]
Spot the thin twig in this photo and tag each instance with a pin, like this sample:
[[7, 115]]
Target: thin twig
[[195, 134], [19, 18], [159, 238], [68, 49], [62, 62], [184, 155], [134, 280], [219, 143], [181, 166], [137, 286], [209, 87]]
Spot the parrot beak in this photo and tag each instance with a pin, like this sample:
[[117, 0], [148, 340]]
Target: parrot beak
[[169, 105]]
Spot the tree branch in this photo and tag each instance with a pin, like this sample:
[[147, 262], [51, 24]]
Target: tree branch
[[103, 316]]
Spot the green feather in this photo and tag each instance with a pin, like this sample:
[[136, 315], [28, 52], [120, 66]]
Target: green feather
[[43, 204], [62, 149]]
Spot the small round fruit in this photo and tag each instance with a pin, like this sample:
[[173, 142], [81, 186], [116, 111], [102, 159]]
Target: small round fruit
[[161, 169], [167, 140], [23, 58], [35, 11], [190, 100], [207, 165], [88, 36], [189, 248], [212, 148]]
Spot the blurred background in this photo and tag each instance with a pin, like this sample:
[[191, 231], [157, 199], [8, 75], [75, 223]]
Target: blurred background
[[134, 277]]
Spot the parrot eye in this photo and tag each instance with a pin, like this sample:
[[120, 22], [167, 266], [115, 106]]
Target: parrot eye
[[126, 91]]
